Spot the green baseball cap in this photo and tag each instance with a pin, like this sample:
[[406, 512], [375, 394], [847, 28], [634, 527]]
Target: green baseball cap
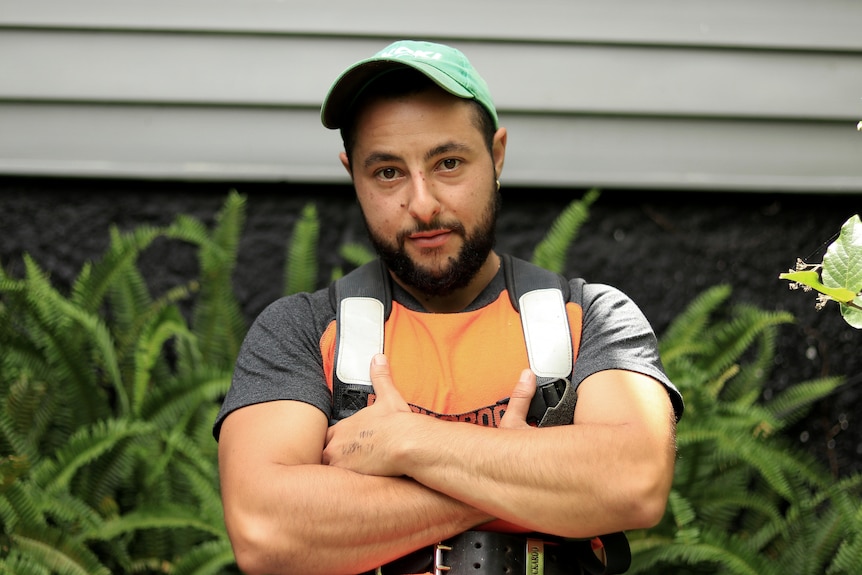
[[446, 66]]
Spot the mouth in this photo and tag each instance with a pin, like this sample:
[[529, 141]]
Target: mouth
[[430, 239]]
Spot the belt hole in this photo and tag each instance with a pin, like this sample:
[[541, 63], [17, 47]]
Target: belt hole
[[477, 566], [477, 544]]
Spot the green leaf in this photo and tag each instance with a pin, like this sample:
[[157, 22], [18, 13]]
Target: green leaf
[[156, 517], [842, 268], [550, 253], [811, 279], [842, 264], [300, 273]]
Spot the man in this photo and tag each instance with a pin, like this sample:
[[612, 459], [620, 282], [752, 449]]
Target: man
[[394, 484]]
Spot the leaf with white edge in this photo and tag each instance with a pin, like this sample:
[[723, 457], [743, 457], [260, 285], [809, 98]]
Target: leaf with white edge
[[842, 268]]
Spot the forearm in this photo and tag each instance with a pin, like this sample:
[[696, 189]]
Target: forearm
[[575, 481], [609, 471], [318, 519]]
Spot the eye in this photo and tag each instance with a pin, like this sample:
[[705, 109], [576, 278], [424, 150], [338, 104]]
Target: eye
[[387, 173], [450, 164]]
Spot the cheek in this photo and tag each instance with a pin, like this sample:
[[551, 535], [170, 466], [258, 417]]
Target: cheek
[[377, 211]]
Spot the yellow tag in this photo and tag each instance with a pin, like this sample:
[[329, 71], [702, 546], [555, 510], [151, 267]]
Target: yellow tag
[[535, 557]]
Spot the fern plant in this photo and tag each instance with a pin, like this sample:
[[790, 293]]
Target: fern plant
[[745, 500], [108, 394], [107, 397]]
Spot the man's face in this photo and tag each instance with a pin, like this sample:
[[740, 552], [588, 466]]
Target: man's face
[[426, 184]]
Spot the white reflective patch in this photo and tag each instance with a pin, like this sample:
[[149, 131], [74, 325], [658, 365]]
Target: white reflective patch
[[546, 330], [360, 334]]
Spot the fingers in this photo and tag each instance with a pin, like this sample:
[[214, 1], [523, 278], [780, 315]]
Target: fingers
[[381, 376], [384, 387], [519, 402]]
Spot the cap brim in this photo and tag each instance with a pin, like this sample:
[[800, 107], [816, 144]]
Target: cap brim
[[350, 84]]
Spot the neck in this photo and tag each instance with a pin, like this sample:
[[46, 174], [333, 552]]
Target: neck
[[458, 299]]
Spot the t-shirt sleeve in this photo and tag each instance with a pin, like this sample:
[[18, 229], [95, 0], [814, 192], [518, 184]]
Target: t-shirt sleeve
[[280, 358], [617, 335]]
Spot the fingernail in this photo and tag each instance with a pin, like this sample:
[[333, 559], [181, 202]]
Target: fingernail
[[379, 359], [525, 375]]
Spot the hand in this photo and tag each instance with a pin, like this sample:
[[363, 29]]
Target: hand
[[363, 441], [519, 402]]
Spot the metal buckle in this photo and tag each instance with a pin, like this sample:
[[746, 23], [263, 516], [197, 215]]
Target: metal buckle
[[439, 567]]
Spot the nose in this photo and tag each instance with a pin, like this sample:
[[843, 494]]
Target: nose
[[424, 204]]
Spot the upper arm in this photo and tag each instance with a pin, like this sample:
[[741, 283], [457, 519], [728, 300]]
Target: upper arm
[[619, 397], [274, 432], [640, 408]]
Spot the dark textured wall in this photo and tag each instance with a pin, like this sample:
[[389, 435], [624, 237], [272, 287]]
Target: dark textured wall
[[662, 248]]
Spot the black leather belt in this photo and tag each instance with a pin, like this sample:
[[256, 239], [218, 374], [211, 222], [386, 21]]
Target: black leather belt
[[486, 552]]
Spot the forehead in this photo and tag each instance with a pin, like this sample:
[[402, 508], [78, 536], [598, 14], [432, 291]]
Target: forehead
[[430, 113]]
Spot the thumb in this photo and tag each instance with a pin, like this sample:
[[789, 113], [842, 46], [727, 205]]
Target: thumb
[[519, 402], [381, 380]]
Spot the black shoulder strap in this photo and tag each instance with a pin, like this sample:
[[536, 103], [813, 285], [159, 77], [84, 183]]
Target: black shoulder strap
[[523, 276], [368, 280], [365, 297]]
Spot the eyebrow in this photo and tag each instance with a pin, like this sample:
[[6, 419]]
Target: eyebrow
[[446, 148], [379, 157]]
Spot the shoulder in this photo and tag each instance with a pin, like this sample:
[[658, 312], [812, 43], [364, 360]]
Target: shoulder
[[599, 299], [314, 307]]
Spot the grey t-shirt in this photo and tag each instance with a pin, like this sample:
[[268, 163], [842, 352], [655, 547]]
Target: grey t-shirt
[[281, 358]]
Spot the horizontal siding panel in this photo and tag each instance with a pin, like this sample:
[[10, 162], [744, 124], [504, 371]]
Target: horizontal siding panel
[[272, 145], [821, 25], [167, 142], [294, 71], [686, 154]]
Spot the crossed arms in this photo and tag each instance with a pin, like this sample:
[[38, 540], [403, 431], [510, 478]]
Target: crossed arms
[[302, 497]]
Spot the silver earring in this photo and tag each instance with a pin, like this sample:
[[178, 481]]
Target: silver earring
[[498, 185]]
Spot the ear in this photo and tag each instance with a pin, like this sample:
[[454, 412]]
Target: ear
[[345, 161], [498, 150]]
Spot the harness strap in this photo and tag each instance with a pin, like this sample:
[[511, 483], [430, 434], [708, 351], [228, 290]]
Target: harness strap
[[362, 301]]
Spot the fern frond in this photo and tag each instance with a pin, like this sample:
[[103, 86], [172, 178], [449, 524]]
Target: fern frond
[[104, 350], [790, 405], [84, 446], [168, 324], [178, 399], [551, 251], [152, 517], [688, 327], [733, 338], [217, 319], [714, 552], [355, 254], [300, 272], [59, 554], [230, 221], [208, 558], [21, 505], [17, 564], [45, 324], [95, 280], [848, 558]]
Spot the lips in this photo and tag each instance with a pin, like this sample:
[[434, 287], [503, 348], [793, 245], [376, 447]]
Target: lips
[[430, 239]]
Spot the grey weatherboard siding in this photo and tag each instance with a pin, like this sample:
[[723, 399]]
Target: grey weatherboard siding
[[733, 95]]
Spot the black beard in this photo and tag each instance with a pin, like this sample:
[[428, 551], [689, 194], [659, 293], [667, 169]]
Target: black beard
[[461, 269]]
